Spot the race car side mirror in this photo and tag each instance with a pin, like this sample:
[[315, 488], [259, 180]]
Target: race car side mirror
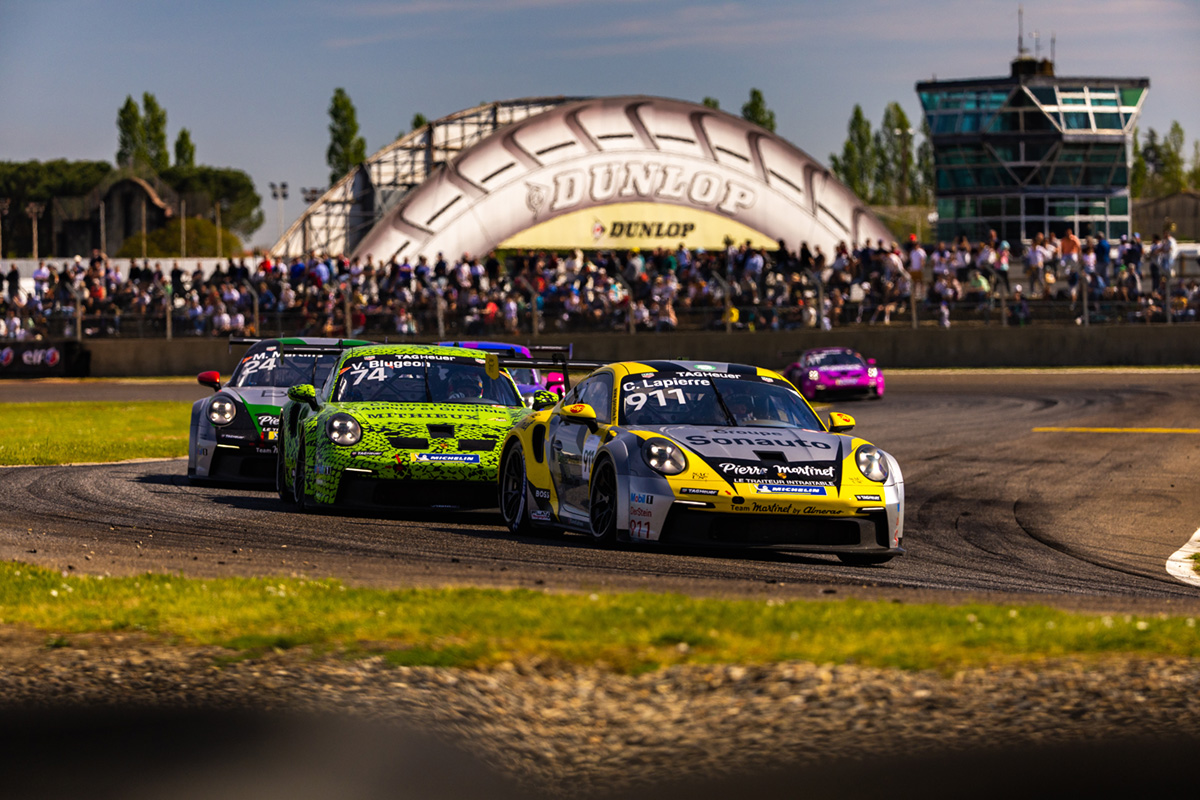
[[839, 422], [543, 399], [580, 414], [304, 393], [211, 378]]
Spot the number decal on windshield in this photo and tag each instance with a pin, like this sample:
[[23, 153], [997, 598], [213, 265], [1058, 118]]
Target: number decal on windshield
[[639, 399]]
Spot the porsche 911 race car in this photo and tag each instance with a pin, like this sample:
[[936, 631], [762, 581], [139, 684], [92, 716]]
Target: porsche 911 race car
[[827, 373], [530, 380], [399, 426], [232, 435], [701, 453]]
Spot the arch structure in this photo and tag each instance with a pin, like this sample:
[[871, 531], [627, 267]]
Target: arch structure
[[613, 172], [337, 221]]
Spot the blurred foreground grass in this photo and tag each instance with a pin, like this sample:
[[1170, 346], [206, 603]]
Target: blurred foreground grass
[[626, 632]]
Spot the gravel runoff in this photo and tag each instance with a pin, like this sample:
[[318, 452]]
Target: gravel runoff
[[548, 729]]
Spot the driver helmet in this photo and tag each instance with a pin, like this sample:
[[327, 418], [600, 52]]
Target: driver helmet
[[740, 403], [465, 384]]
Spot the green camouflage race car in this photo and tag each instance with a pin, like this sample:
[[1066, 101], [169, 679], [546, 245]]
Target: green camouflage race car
[[397, 426]]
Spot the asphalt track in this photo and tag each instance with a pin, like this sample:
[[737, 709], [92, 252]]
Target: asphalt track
[[1002, 504]]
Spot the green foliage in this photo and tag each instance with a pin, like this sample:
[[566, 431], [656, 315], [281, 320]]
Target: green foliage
[[755, 110], [926, 178], [856, 166], [154, 121], [131, 134], [712, 102], [25, 181], [1193, 175], [893, 157], [1140, 174], [165, 242], [1171, 175], [185, 151], [241, 214], [346, 148]]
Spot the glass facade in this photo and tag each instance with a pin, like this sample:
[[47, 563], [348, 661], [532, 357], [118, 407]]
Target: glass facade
[[1032, 153]]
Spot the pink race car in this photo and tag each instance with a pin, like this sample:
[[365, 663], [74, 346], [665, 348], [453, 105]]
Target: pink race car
[[826, 373]]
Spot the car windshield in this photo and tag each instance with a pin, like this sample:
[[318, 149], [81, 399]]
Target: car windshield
[[681, 398], [268, 368], [834, 360], [407, 378], [525, 377]]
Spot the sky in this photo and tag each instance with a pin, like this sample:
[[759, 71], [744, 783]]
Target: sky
[[252, 81]]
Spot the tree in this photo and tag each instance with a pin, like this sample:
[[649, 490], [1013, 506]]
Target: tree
[[755, 110], [25, 181], [164, 242], [1172, 177], [154, 121], [131, 134], [241, 214], [926, 180], [712, 102], [185, 151], [856, 167], [893, 157], [1194, 172], [1140, 173], [346, 148]]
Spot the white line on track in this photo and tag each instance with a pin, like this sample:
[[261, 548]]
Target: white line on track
[[1182, 566]]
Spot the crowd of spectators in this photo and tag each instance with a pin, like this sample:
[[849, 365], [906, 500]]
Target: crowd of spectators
[[741, 286]]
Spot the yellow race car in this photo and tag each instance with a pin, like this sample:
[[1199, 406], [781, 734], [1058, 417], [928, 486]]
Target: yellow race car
[[705, 453]]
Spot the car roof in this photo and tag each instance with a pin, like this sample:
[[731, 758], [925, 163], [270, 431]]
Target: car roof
[[682, 365], [498, 347]]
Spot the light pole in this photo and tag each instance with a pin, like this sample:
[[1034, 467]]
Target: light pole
[[280, 193], [34, 210]]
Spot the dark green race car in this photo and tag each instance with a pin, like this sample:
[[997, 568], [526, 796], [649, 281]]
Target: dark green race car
[[397, 426]]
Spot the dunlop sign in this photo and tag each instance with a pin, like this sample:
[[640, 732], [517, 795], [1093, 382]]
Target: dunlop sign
[[615, 182]]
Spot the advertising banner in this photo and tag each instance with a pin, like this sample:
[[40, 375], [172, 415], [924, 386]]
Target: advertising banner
[[39, 359]]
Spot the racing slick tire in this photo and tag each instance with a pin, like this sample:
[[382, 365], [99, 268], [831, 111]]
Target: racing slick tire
[[513, 498], [281, 487], [864, 559], [298, 496], [602, 505]]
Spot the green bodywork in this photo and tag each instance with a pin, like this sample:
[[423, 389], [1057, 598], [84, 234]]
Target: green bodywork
[[450, 443]]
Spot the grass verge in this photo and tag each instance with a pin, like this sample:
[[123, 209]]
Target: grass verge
[[60, 433], [625, 632]]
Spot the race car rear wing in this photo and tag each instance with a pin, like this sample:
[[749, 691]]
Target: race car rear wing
[[558, 362], [307, 347]]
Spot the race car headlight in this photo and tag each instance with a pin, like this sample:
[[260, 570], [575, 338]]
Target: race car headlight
[[871, 463], [343, 429], [664, 456], [221, 411], [872, 372], [813, 375]]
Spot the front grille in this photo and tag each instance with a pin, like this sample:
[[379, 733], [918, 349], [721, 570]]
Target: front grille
[[689, 526], [355, 490], [477, 445], [408, 442]]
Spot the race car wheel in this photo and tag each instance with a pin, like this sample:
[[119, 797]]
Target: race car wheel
[[864, 559], [514, 500], [298, 496], [281, 487], [603, 505]]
